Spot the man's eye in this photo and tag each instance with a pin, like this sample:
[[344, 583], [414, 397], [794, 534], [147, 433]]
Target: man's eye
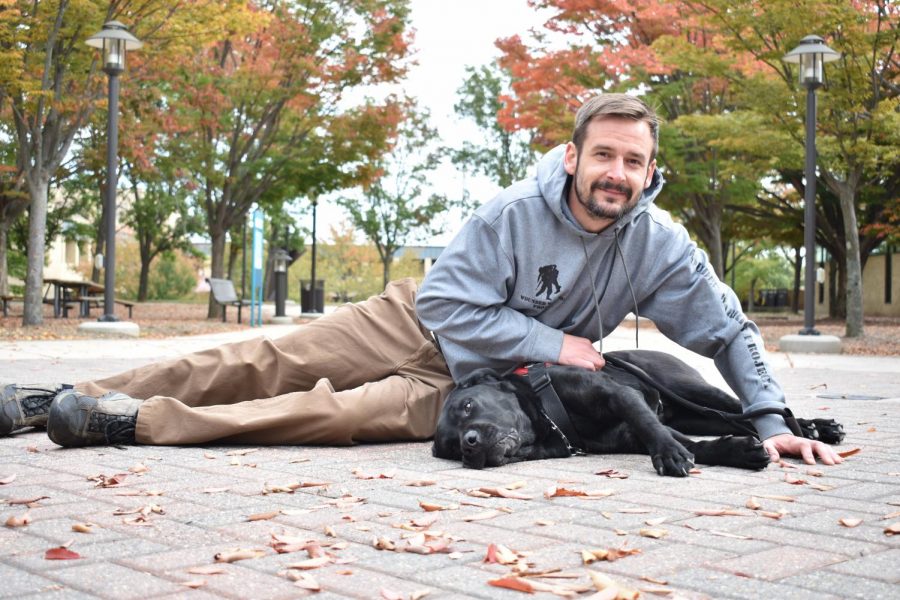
[[468, 407]]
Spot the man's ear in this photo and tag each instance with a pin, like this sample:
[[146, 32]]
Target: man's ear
[[650, 171], [570, 160]]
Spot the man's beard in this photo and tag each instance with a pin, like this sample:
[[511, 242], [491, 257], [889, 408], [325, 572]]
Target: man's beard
[[607, 210]]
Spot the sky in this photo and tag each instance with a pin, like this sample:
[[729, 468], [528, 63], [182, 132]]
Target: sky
[[449, 37]]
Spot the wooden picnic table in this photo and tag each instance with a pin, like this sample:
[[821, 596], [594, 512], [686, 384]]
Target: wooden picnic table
[[69, 290]]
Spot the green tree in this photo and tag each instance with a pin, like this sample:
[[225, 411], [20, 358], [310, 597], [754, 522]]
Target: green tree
[[504, 156], [394, 208]]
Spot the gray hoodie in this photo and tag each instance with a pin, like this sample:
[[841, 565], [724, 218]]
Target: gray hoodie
[[522, 271]]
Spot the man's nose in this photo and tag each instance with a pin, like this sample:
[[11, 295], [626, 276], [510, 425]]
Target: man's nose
[[616, 170]]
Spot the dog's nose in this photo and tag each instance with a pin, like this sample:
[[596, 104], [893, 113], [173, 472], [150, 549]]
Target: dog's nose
[[472, 438]]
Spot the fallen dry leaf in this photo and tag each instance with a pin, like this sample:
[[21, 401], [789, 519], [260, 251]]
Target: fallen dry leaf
[[8, 479], [27, 501], [419, 594], [815, 473], [311, 563], [139, 468], [194, 583], [653, 533], [544, 523], [634, 511], [507, 491], [83, 528], [304, 581], [607, 554], [753, 504], [655, 522], [780, 498], [242, 452], [555, 492], [61, 553], [361, 474], [603, 582], [420, 483], [720, 512], [498, 553], [848, 522], [482, 516], [206, 570], [729, 535], [210, 455], [264, 516], [218, 490], [772, 514], [231, 556], [821, 488], [793, 480], [19, 521], [105, 481], [654, 580], [391, 595], [431, 507], [612, 474], [513, 583], [847, 453], [892, 529]]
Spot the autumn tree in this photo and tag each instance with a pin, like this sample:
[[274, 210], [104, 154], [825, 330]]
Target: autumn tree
[[270, 112], [50, 83], [504, 156], [858, 121], [395, 206]]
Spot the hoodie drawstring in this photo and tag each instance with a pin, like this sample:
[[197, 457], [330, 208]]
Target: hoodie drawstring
[[637, 314]]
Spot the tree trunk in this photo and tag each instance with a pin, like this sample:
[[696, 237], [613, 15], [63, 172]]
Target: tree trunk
[[144, 277], [798, 268], [854, 269], [386, 270], [4, 267], [38, 186], [217, 268]]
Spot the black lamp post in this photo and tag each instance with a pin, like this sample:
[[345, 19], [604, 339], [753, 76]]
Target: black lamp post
[[313, 296], [115, 41], [811, 55]]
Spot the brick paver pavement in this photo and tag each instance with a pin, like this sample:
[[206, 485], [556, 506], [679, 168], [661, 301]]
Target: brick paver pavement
[[156, 532]]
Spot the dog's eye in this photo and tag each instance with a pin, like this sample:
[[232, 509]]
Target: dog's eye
[[468, 407]]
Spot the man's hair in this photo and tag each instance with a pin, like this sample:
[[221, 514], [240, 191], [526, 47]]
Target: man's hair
[[615, 105]]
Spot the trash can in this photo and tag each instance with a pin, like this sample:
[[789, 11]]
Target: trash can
[[308, 303]]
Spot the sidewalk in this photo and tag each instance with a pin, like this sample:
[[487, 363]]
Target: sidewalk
[[175, 509]]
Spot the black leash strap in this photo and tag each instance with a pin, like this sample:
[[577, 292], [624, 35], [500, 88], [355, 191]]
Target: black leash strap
[[553, 407], [734, 419]]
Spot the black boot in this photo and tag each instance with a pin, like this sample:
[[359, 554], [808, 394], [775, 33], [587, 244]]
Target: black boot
[[26, 405], [79, 420]]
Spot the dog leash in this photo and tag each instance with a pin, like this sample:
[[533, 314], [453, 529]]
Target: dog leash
[[551, 406], [733, 419]]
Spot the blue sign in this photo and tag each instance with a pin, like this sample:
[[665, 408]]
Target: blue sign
[[256, 272]]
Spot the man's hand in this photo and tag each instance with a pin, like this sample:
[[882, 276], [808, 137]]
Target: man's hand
[[579, 352], [787, 443]]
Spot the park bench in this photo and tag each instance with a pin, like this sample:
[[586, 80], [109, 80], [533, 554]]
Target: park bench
[[99, 300], [223, 293], [6, 299]]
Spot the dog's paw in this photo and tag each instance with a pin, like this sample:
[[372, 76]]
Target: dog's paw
[[808, 429], [741, 452], [672, 460], [830, 431]]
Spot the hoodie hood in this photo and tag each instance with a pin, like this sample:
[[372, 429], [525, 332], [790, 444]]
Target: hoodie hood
[[553, 181]]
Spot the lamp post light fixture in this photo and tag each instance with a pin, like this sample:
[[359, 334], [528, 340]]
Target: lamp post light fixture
[[811, 55], [281, 260], [115, 41]]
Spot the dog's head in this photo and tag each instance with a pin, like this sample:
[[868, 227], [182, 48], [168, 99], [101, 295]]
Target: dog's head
[[482, 423]]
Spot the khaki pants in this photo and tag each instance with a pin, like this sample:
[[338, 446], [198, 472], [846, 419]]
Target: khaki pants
[[367, 372]]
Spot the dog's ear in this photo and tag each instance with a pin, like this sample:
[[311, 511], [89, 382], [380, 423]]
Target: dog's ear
[[479, 376]]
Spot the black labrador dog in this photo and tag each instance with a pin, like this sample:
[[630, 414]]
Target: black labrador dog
[[489, 420]]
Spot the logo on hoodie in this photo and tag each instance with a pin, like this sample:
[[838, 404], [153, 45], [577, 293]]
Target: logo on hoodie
[[548, 278]]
